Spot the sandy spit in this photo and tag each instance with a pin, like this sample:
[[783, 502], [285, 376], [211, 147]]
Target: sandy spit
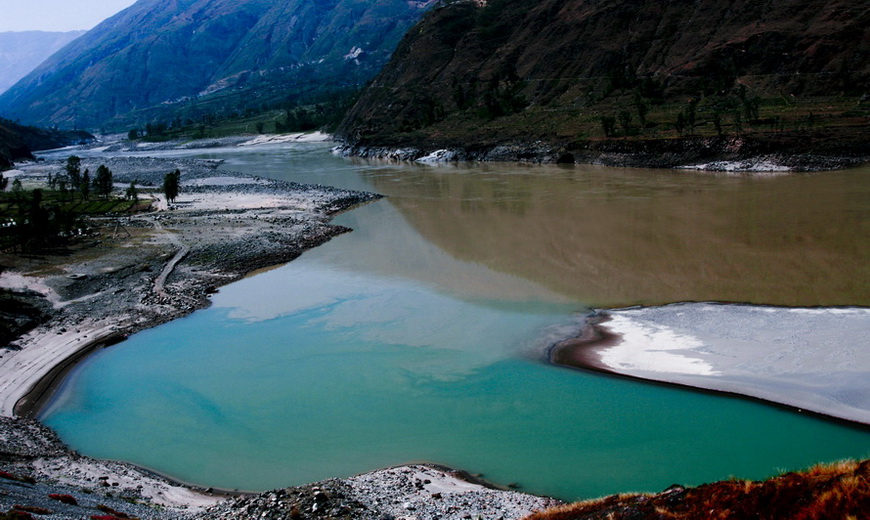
[[809, 359]]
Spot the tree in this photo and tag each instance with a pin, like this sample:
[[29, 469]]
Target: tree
[[17, 189], [38, 218], [170, 185], [642, 109], [608, 124], [73, 171], [625, 121], [86, 185], [738, 121], [132, 192], [133, 134], [3, 182], [690, 115], [680, 125], [717, 122], [752, 108], [103, 181]]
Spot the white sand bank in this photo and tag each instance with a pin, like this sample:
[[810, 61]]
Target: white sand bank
[[42, 351], [311, 137], [815, 359]]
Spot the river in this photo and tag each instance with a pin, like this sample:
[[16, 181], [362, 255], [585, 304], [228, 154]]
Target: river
[[421, 335]]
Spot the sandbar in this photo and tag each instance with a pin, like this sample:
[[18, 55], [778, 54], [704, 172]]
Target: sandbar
[[809, 359]]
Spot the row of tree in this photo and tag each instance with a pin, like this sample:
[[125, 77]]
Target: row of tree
[[44, 218], [73, 180]]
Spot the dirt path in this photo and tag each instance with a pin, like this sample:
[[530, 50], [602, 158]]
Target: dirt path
[[183, 250]]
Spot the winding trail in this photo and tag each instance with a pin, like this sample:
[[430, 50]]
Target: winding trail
[[183, 250], [29, 373]]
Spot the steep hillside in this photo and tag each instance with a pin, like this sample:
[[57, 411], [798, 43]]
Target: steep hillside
[[158, 58], [17, 141], [21, 52], [564, 72]]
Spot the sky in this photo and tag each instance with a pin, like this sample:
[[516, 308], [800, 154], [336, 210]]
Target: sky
[[57, 15]]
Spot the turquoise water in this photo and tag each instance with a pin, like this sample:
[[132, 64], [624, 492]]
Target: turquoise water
[[383, 348]]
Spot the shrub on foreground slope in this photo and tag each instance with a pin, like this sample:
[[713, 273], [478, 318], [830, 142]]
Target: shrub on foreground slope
[[840, 490]]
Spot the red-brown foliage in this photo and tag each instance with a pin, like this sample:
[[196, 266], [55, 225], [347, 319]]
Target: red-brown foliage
[[32, 509], [839, 490], [14, 514], [9, 476], [113, 512], [66, 499]]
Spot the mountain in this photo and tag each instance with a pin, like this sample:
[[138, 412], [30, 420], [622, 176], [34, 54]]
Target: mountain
[[572, 75], [17, 141], [165, 58], [21, 52]]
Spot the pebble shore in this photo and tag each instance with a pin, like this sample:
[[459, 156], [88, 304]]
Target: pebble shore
[[36, 469]]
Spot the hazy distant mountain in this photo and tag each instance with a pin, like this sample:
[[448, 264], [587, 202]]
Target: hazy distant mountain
[[159, 52], [21, 52]]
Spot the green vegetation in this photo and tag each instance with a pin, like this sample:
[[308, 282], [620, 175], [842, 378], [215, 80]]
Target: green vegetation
[[587, 78], [301, 115], [170, 185], [17, 141], [627, 115], [45, 218], [632, 108]]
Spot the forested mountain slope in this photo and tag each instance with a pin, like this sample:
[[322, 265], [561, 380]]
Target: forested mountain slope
[[158, 57], [570, 73]]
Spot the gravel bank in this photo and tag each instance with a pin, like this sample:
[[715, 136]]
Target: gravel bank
[[405, 492], [38, 471], [732, 154]]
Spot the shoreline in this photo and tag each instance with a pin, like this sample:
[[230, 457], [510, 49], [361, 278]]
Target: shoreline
[[137, 282], [698, 367], [37, 466], [180, 300], [42, 393], [730, 154]]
